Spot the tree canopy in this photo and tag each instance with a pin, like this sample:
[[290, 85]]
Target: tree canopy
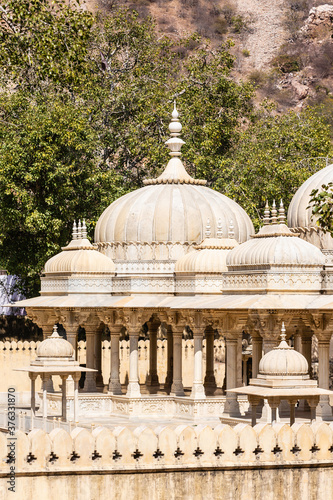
[[85, 102], [273, 157]]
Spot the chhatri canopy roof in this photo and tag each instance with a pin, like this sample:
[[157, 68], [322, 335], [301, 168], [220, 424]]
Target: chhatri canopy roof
[[172, 208]]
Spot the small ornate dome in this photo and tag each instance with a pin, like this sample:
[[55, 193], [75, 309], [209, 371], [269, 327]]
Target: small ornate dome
[[55, 347], [275, 245], [300, 215], [161, 220], [210, 256], [79, 257], [283, 361]]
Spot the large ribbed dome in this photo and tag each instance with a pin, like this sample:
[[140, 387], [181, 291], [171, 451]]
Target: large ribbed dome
[[170, 210], [300, 213], [170, 213]]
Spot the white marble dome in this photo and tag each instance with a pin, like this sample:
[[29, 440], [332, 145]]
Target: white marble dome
[[208, 258], [283, 361], [300, 215], [79, 257], [55, 347], [164, 219], [275, 245]]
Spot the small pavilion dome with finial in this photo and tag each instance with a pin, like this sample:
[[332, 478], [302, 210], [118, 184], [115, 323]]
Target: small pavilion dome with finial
[[79, 256], [54, 350], [209, 257], [149, 229], [283, 361], [285, 262], [79, 260]]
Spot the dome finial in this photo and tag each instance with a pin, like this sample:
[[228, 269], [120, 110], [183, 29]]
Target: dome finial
[[266, 218], [231, 232], [282, 214], [55, 334], [74, 232], [219, 232], [175, 113], [274, 213], [208, 231], [79, 230], [175, 127], [283, 332], [84, 229]]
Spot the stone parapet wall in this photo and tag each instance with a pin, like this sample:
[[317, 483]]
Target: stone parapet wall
[[123, 448], [172, 463]]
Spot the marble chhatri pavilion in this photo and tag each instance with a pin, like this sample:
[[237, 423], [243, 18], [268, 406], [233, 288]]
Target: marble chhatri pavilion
[[178, 254]]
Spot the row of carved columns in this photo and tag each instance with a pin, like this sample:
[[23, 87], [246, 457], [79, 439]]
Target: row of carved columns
[[264, 328]]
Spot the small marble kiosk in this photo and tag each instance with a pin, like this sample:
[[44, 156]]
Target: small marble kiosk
[[55, 356]]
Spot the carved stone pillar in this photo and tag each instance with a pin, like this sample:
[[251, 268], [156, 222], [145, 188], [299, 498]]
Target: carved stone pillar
[[324, 409], [63, 398], [98, 359], [90, 381], [177, 388], [210, 381], [152, 379], [169, 376], [307, 351], [198, 390], [47, 332], [114, 381], [45, 378], [231, 405], [256, 354], [133, 388], [298, 342]]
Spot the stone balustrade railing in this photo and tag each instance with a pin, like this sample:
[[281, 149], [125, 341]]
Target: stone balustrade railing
[[167, 447], [30, 345]]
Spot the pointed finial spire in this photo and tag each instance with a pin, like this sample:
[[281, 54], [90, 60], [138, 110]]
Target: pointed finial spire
[[208, 232], [175, 127], [283, 332], [266, 218], [74, 232], [282, 214], [84, 229], [274, 213], [55, 333], [219, 232], [231, 232], [79, 230]]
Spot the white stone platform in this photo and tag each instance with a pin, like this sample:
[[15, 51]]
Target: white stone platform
[[95, 405]]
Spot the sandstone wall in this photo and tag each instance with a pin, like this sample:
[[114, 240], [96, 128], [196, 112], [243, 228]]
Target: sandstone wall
[[265, 462]]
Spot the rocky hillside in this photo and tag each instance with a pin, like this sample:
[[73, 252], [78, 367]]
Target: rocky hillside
[[283, 46]]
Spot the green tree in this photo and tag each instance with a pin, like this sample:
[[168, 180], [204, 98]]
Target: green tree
[[85, 117], [322, 207], [48, 177], [273, 157]]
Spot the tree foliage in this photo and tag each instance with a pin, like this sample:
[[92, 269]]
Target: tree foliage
[[84, 109], [322, 207], [84, 115], [273, 157]]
